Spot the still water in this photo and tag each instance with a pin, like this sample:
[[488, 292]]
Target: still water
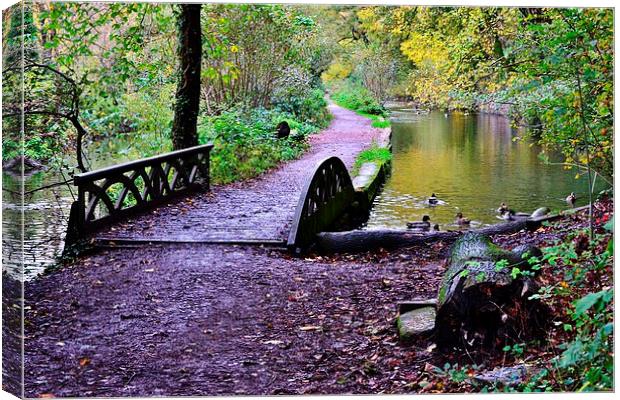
[[473, 164], [45, 213]]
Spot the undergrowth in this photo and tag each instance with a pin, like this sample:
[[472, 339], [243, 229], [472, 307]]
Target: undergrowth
[[374, 153]]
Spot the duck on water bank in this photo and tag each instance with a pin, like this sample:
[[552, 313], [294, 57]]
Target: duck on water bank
[[461, 220], [570, 200], [424, 225], [510, 215], [502, 208]]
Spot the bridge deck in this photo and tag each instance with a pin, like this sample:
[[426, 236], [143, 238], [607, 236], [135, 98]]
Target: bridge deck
[[260, 209]]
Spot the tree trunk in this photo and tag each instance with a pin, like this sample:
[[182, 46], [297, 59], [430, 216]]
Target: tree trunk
[[361, 240], [184, 131], [481, 304]]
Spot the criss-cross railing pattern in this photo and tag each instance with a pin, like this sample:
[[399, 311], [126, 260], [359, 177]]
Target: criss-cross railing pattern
[[326, 195], [117, 191]]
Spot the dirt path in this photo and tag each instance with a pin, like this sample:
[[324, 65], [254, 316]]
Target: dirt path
[[207, 320], [259, 209], [204, 320]]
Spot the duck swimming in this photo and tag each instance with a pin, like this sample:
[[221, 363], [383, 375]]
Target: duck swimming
[[424, 225], [502, 208], [570, 200], [460, 220], [433, 199]]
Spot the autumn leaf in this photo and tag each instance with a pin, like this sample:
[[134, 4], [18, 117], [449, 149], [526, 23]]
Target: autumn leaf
[[84, 361]]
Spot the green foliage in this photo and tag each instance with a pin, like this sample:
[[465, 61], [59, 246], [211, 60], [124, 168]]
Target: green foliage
[[245, 144], [304, 104], [251, 68], [357, 98], [124, 65], [586, 361], [22, 38], [565, 81], [374, 153], [516, 349]]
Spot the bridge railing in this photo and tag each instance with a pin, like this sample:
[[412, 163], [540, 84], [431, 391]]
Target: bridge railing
[[324, 198], [115, 192]]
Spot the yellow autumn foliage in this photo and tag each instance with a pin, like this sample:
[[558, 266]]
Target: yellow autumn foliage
[[336, 71]]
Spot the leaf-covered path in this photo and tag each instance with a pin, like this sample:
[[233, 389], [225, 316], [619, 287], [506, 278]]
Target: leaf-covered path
[[258, 209], [208, 320], [221, 320]]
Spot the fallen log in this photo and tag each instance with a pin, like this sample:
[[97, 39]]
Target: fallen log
[[362, 240], [481, 303]]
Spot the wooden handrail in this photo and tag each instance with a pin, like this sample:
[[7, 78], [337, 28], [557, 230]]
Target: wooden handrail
[[149, 181], [130, 165]]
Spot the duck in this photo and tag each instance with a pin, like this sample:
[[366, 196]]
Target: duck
[[502, 208], [570, 200], [460, 220], [433, 199], [507, 215], [436, 228], [511, 215], [424, 225]]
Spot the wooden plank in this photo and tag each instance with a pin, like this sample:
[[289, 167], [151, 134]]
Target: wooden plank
[[144, 162]]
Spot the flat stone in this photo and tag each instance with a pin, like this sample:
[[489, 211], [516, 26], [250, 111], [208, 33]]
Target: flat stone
[[416, 324], [410, 305], [366, 173]]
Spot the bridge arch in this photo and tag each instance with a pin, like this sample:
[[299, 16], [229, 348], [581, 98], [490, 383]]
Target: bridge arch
[[327, 194]]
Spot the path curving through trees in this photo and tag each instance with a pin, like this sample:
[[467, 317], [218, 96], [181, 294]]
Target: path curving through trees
[[260, 209]]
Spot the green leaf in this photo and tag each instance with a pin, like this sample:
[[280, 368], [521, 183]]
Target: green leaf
[[585, 303]]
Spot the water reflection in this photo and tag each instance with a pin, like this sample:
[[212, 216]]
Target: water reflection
[[472, 163], [45, 213]]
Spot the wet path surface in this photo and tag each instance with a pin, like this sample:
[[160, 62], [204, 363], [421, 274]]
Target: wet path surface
[[258, 209]]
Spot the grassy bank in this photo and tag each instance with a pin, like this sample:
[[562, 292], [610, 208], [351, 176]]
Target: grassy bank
[[357, 98], [375, 153]]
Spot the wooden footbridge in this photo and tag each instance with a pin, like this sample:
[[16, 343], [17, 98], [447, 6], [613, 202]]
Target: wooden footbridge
[[166, 199], [169, 198]]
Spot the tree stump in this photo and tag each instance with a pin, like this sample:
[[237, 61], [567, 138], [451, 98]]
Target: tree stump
[[480, 304], [283, 130]]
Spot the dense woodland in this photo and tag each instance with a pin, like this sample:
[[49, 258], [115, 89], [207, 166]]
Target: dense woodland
[[106, 77], [549, 69]]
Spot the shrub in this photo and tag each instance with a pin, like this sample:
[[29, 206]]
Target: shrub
[[245, 144], [357, 98]]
